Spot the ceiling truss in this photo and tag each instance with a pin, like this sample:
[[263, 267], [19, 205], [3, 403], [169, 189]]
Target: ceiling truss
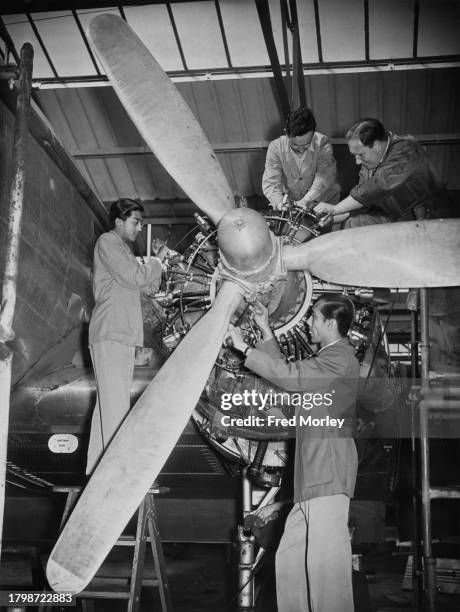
[[34, 11]]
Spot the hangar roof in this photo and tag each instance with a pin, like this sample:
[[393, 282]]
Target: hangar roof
[[356, 58], [223, 38]]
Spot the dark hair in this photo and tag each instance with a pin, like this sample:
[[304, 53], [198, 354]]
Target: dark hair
[[338, 307], [122, 209], [368, 130], [299, 122]]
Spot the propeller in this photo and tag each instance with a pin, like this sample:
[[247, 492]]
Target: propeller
[[146, 438], [161, 115], [251, 256], [407, 254]]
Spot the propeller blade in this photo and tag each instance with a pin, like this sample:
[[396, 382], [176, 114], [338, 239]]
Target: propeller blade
[[407, 254], [139, 450], [161, 114]]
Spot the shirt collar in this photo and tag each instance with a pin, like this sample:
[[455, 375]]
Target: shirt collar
[[327, 345], [124, 244]]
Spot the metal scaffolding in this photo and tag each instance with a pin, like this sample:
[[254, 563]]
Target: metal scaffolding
[[443, 398]]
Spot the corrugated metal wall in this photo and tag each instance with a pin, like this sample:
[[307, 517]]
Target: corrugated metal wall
[[241, 116], [57, 240]]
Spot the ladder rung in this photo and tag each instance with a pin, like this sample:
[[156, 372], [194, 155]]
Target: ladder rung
[[439, 403], [438, 417], [154, 489], [150, 582], [105, 594], [436, 375], [66, 489], [110, 580], [128, 540], [122, 581], [440, 391], [445, 492], [129, 587]]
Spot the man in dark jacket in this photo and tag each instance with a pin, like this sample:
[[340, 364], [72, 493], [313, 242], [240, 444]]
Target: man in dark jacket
[[396, 181], [313, 561]]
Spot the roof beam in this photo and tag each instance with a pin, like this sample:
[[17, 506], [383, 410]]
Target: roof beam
[[170, 220], [416, 28], [42, 44], [12, 7], [263, 11], [234, 147], [298, 95], [180, 211], [318, 32], [4, 34], [239, 147], [222, 33], [85, 40], [366, 30], [176, 35], [241, 72]]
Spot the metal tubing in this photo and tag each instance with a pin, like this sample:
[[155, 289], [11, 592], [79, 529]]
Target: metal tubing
[[263, 11], [6, 357], [149, 241], [16, 195], [417, 565], [414, 344], [429, 562], [247, 492], [245, 571], [256, 465], [424, 330], [448, 391], [443, 493], [16, 198], [298, 96], [439, 403], [246, 552]]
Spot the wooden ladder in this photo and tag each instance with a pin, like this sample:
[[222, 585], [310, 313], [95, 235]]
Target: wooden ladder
[[116, 587]]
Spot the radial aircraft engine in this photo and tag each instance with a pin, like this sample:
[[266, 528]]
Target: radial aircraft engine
[[254, 262], [254, 432]]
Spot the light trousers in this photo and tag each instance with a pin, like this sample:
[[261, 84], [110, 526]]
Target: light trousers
[[113, 365], [313, 561]]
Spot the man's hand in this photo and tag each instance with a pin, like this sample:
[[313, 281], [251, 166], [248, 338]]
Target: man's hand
[[322, 208], [326, 221], [305, 204], [159, 248], [267, 513], [259, 313], [282, 204], [236, 337]]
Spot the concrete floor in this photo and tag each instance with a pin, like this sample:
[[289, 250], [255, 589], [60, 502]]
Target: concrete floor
[[203, 578]]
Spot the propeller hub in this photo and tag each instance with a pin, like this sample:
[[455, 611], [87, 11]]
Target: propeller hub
[[245, 241]]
